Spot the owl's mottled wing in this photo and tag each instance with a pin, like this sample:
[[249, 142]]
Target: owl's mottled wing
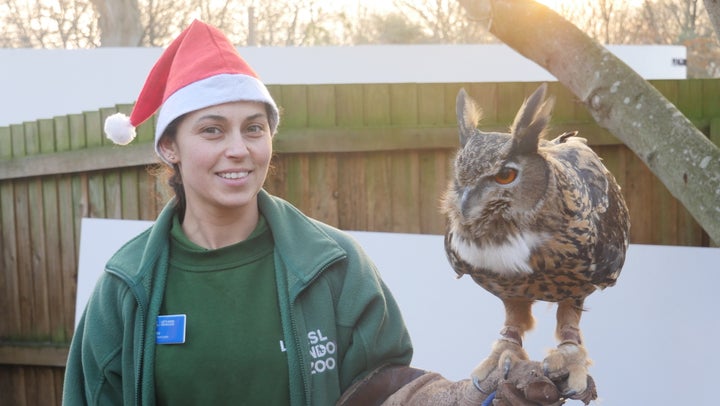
[[592, 192]]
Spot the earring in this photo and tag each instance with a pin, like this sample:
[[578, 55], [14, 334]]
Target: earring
[[171, 157]]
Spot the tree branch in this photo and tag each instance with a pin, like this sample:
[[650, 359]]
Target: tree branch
[[713, 10]]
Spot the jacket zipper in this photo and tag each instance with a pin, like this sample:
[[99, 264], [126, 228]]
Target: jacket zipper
[[141, 310], [138, 372], [293, 324]]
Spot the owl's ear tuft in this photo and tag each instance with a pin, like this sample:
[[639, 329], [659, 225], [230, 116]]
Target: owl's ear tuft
[[531, 120], [468, 116]]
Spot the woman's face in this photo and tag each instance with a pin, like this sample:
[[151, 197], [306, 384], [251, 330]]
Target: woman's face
[[223, 153]]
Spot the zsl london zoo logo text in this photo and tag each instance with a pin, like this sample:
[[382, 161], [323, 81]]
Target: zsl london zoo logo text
[[322, 351]]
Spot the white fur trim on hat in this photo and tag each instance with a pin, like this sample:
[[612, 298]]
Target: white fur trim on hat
[[118, 129], [218, 89]]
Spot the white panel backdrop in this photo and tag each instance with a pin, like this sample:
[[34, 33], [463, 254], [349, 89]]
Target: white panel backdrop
[[653, 337]]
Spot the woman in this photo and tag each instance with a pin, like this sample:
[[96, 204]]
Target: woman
[[233, 296]]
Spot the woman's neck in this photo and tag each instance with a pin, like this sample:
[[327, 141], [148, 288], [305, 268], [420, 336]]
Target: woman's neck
[[217, 230]]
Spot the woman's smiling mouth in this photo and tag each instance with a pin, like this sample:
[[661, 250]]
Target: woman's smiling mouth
[[234, 175]]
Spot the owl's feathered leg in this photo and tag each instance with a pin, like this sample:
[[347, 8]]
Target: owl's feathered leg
[[508, 349], [570, 357]]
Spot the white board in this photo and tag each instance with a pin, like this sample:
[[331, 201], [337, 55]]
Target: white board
[[90, 79], [653, 337]]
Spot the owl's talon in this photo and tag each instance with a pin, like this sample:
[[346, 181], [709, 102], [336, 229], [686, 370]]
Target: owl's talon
[[569, 393], [586, 396], [507, 363], [501, 358], [554, 375], [568, 364], [478, 385]]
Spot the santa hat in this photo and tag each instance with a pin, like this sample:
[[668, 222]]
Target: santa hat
[[200, 68]]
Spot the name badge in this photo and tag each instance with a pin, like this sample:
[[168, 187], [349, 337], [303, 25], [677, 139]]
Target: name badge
[[171, 329]]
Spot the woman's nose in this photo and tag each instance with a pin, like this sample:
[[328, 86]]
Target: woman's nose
[[236, 145]]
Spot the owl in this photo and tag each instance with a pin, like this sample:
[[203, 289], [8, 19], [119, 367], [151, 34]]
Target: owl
[[531, 219]]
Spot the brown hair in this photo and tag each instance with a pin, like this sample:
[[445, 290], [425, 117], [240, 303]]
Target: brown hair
[[171, 174]]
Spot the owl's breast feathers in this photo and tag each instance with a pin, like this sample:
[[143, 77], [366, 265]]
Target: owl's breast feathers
[[576, 244]]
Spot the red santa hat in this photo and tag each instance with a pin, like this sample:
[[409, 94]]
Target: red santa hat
[[200, 68]]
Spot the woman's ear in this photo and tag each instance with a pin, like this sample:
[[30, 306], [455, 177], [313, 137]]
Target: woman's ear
[[167, 149]]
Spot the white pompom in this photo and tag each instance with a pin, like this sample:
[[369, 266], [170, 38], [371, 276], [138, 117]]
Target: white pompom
[[118, 129]]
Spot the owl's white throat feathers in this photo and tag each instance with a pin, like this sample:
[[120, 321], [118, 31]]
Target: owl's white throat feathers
[[508, 258]]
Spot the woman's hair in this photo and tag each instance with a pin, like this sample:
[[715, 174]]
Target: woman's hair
[[172, 173]]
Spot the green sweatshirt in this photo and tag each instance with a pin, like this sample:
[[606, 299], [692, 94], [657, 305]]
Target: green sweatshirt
[[233, 332], [339, 320]]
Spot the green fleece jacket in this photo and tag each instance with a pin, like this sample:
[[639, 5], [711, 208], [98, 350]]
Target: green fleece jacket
[[339, 320]]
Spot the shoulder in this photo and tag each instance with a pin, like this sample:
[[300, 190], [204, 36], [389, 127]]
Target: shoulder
[[143, 251], [128, 259], [300, 234], [307, 244], [342, 238]]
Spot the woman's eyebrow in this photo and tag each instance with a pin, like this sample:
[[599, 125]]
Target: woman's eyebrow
[[220, 117], [211, 117], [255, 116]]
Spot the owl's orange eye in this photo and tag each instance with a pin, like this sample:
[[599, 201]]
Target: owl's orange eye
[[506, 175]]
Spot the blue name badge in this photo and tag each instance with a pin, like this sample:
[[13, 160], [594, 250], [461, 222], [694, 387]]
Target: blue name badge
[[171, 329]]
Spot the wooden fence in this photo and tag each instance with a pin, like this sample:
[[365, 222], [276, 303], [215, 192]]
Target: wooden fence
[[361, 157]]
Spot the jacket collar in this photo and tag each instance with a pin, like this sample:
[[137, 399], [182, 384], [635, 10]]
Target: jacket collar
[[302, 244]]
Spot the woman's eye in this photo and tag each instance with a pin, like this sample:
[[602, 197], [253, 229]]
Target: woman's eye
[[506, 176], [211, 130], [255, 129]]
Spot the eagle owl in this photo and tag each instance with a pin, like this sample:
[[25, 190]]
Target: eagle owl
[[532, 219]]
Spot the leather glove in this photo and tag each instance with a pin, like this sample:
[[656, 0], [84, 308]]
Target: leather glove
[[522, 383], [525, 385]]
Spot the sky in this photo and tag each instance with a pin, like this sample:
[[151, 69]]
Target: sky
[[388, 4], [555, 4]]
